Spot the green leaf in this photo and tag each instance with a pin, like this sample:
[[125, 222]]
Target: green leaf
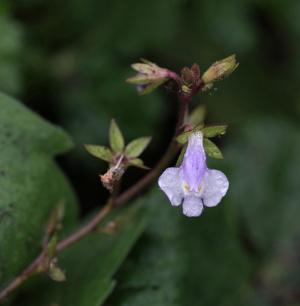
[[211, 149], [91, 263], [136, 147], [115, 137], [198, 115], [185, 261], [31, 184], [101, 152], [215, 130], [137, 162], [265, 163], [11, 50], [181, 155], [271, 149], [184, 137]]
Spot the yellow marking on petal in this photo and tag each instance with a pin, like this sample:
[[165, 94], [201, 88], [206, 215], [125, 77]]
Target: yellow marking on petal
[[200, 188], [186, 187]]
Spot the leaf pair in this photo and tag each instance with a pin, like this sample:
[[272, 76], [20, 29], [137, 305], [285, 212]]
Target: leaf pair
[[131, 152], [208, 132]]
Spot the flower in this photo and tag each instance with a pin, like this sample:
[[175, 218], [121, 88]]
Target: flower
[[192, 184], [149, 76]]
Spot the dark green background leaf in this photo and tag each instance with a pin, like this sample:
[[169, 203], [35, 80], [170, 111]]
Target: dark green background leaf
[[91, 263], [178, 261], [31, 183]]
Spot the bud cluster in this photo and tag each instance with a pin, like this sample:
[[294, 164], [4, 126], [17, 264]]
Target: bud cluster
[[191, 183], [150, 76]]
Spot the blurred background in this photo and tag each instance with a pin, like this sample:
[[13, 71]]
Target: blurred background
[[69, 61]]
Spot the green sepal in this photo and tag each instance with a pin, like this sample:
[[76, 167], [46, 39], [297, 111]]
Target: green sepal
[[184, 137], [198, 115], [101, 152], [152, 86], [136, 147], [143, 67], [137, 162], [214, 130], [211, 149], [116, 139], [139, 79]]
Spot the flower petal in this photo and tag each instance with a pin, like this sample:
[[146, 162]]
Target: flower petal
[[194, 162], [192, 206], [170, 183], [215, 187]]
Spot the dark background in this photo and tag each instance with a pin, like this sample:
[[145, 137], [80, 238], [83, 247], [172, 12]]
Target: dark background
[[68, 61]]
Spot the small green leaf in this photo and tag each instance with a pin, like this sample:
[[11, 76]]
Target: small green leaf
[[181, 155], [56, 273], [137, 146], [184, 137], [137, 162], [198, 115], [215, 130], [211, 149], [101, 152], [115, 137]]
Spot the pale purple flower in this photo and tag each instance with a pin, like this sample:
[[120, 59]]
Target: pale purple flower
[[192, 184]]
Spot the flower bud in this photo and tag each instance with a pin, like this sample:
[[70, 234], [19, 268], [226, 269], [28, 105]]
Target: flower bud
[[220, 69], [149, 76], [190, 79]]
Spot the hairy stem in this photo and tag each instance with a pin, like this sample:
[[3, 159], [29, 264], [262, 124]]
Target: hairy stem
[[36, 264]]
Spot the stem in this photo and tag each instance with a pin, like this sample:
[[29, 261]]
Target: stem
[[170, 153], [25, 274], [163, 162], [85, 229]]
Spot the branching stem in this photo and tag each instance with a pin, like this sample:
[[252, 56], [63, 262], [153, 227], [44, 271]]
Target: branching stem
[[36, 266]]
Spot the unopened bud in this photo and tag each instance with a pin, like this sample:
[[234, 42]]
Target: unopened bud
[[220, 69], [149, 76], [190, 79]]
